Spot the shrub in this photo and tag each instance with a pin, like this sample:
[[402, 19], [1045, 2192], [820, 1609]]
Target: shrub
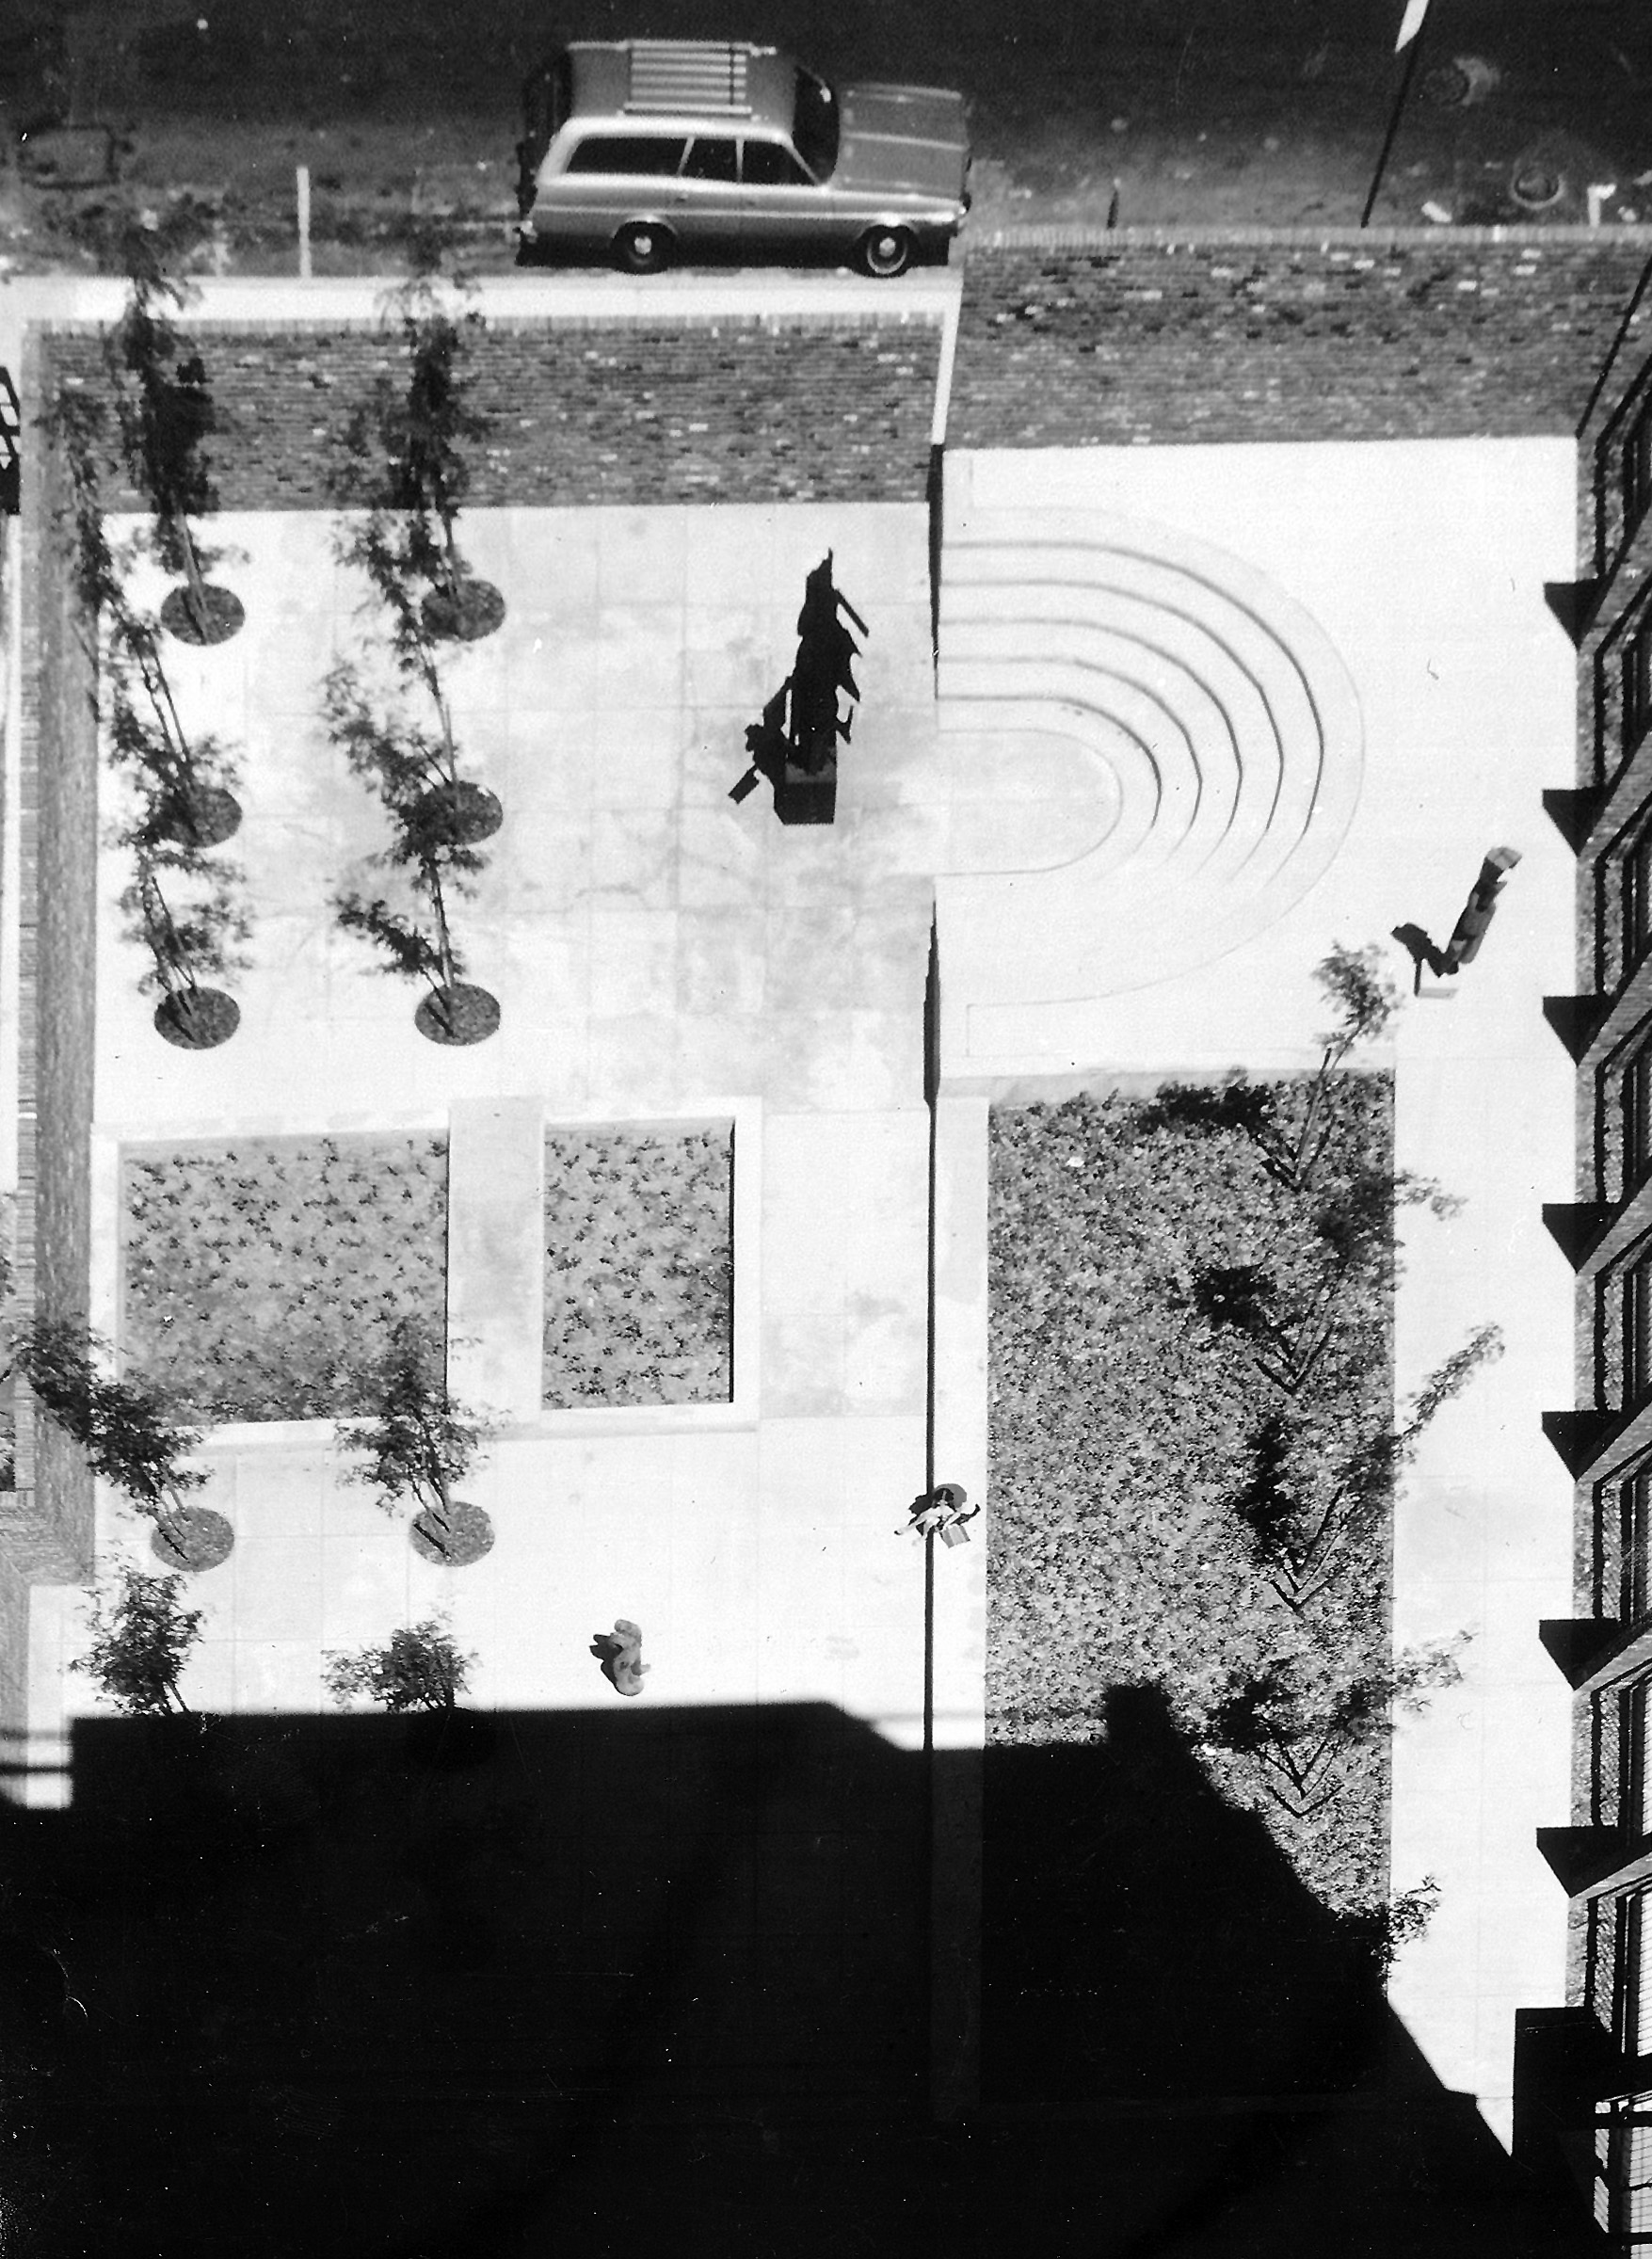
[[419, 1668], [141, 1640]]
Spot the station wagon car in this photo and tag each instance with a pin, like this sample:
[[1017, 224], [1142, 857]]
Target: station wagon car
[[648, 151]]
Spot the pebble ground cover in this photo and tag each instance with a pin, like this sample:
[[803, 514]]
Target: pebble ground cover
[[639, 1266], [254, 1271], [1123, 1431]]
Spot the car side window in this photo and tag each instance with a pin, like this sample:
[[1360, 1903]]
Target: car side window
[[768, 165], [712, 158], [628, 153]]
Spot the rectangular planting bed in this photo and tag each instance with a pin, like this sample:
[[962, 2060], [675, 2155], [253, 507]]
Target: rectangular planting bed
[[639, 1266], [256, 1271], [1150, 1270]]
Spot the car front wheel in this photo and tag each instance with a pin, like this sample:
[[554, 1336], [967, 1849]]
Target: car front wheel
[[643, 247], [885, 252]]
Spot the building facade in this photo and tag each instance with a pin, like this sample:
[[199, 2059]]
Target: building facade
[[1584, 2072]]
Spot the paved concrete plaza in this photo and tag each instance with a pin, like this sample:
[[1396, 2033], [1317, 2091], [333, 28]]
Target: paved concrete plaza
[[1466, 691], [1205, 713], [658, 952]]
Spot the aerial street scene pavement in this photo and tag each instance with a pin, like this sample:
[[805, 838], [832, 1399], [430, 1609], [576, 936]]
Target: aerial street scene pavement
[[825, 1107]]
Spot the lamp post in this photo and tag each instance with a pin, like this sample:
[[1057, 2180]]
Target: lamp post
[[1411, 40]]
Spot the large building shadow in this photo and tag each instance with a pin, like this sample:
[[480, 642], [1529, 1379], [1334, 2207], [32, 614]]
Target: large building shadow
[[559, 1981]]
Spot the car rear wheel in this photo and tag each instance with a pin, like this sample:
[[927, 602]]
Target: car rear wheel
[[885, 252], [643, 247]]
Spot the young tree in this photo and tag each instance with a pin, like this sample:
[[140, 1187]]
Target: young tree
[[414, 780], [1292, 1139], [190, 943], [419, 1442], [176, 777], [1385, 1926], [1298, 1718], [414, 773], [419, 1668], [164, 411], [1291, 1321], [1318, 1483], [176, 774], [141, 1640], [123, 1426], [407, 448], [378, 547], [76, 424]]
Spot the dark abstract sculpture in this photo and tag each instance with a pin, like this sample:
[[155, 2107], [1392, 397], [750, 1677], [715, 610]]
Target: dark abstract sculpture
[[795, 746], [1469, 930]]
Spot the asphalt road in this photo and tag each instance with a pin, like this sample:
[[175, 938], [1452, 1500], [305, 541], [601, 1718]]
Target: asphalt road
[[1183, 113]]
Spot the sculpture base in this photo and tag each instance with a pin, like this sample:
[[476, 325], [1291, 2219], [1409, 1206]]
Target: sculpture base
[[803, 798]]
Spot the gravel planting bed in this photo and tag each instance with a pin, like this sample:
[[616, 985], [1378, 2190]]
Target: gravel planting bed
[[639, 1266], [1123, 1423], [253, 1272]]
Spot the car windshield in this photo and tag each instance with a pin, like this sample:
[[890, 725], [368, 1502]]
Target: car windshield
[[815, 124]]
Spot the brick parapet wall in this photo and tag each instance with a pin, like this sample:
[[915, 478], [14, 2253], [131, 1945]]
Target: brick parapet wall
[[609, 411], [13, 1665], [46, 1529], [1075, 339]]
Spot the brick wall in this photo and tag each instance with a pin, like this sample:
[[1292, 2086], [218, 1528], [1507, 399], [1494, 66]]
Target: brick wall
[[46, 1522], [13, 1664], [1070, 339], [617, 412]]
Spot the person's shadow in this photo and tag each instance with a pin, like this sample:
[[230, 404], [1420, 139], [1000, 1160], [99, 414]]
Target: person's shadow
[[620, 1655]]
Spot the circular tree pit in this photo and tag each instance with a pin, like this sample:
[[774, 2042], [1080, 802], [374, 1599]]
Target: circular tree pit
[[458, 1013], [468, 1534], [474, 611], [197, 1019], [459, 814], [204, 818], [225, 615], [194, 1538]]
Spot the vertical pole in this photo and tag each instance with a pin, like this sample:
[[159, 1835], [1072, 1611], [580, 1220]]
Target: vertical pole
[[303, 223], [931, 1869], [932, 1099], [1381, 165]]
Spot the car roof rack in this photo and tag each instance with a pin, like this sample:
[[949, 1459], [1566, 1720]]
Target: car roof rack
[[689, 74]]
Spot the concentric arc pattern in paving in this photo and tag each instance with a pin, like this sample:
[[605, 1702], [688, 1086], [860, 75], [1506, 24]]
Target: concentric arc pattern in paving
[[1218, 728]]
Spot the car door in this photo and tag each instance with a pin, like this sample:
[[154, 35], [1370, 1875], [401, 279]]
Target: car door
[[709, 211], [786, 211], [609, 180]]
